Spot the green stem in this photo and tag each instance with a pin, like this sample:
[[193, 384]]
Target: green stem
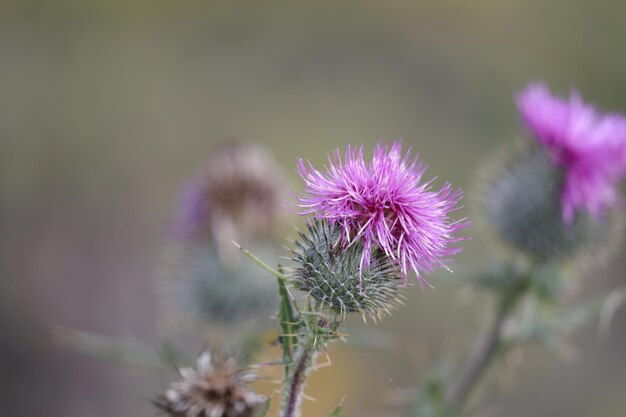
[[480, 360], [262, 264]]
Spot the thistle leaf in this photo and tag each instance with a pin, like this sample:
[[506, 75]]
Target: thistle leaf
[[287, 320]]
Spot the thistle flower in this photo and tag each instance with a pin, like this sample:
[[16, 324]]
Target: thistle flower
[[384, 205], [590, 147], [332, 275], [520, 202], [217, 388], [237, 196], [239, 193]]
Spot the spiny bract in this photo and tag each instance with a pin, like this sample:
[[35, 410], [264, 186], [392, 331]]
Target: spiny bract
[[330, 271]]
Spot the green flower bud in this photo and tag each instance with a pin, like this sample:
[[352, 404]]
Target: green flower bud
[[331, 273]]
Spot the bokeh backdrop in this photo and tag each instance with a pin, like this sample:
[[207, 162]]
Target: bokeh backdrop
[[108, 106]]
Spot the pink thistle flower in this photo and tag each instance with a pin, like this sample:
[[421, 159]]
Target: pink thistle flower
[[385, 204], [589, 146]]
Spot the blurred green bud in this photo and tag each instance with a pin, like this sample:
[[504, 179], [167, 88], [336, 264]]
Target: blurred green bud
[[199, 287]]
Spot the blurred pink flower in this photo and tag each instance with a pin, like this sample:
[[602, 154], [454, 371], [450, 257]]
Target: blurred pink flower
[[589, 146], [385, 204]]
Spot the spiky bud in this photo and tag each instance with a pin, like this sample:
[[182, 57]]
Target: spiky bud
[[521, 203], [332, 273], [197, 288], [217, 388]]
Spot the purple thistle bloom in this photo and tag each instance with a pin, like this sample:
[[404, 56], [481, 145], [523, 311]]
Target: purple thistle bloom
[[384, 204], [589, 146]]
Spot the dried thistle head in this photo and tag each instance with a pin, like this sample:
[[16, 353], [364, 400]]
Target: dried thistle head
[[238, 194], [331, 272], [217, 388]]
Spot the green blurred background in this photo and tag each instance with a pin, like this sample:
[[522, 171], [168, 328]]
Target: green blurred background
[[108, 106]]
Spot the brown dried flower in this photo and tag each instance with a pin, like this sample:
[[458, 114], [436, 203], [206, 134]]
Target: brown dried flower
[[239, 193], [217, 388]]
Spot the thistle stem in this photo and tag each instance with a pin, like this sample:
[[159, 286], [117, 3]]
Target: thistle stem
[[262, 264], [295, 381], [488, 350]]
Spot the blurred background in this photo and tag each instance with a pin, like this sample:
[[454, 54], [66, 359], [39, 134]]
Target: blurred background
[[108, 107]]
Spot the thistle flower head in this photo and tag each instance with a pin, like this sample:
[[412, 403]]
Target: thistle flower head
[[589, 146], [332, 274], [238, 193], [385, 205], [216, 388], [520, 202]]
